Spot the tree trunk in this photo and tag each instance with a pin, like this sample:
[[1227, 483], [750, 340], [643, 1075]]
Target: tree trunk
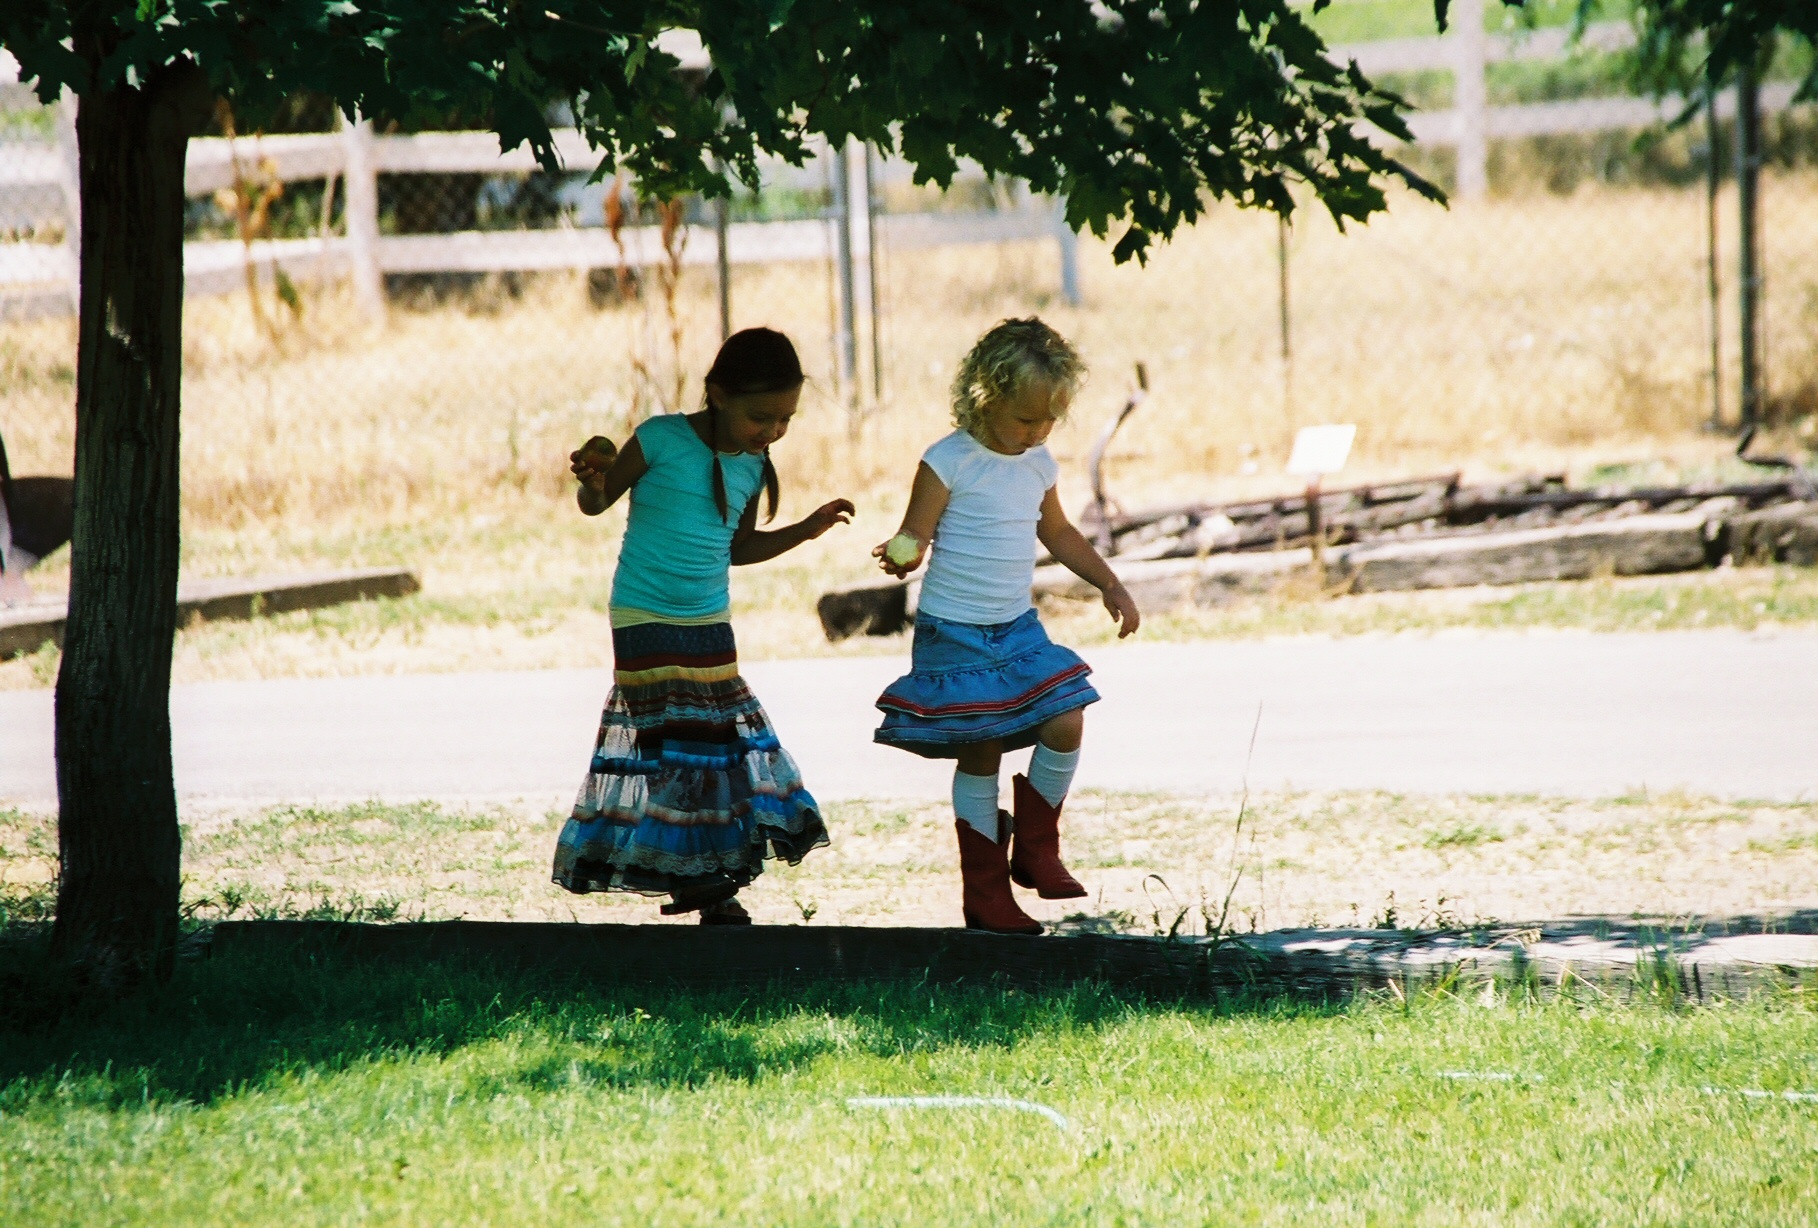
[[118, 840]]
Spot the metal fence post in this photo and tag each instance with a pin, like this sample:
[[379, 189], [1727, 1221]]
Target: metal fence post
[[846, 344], [1470, 98], [1713, 181], [361, 212], [1282, 234], [872, 296], [1748, 200], [858, 220]]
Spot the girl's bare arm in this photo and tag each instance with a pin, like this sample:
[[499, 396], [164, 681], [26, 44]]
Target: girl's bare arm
[[751, 544], [927, 500], [601, 488], [1070, 548]]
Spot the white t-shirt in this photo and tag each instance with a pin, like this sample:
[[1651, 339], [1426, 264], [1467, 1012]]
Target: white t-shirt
[[983, 559]]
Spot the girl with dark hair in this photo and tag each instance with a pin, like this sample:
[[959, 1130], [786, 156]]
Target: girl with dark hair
[[689, 790]]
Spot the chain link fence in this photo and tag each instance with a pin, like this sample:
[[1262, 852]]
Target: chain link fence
[[1569, 303]]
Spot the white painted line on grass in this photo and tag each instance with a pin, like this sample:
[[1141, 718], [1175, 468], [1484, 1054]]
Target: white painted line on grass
[[957, 1102], [1756, 1093], [1752, 1093], [1498, 1076]]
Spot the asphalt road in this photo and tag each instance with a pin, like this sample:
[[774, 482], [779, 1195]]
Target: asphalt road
[[1722, 712]]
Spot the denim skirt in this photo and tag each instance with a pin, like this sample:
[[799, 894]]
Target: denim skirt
[[970, 683]]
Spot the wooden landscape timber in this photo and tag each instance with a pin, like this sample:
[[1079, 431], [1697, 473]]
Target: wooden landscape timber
[[1784, 533], [1619, 957], [1632, 546], [28, 627], [1429, 532]]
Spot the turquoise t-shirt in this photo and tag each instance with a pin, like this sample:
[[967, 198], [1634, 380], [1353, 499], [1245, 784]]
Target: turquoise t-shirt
[[678, 548]]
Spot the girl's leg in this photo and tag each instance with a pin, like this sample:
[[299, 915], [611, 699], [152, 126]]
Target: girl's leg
[[1036, 861], [975, 787], [985, 898], [1056, 755], [726, 912]]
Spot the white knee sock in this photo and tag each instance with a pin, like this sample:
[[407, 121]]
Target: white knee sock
[[1051, 772], [975, 801]]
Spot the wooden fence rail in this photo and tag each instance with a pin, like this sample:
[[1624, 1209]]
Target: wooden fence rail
[[38, 279]]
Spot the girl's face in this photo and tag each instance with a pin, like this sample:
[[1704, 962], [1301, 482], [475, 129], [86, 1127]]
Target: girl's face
[[752, 421], [1017, 423]]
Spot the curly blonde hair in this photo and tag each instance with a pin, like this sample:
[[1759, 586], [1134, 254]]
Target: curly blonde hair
[[1004, 361]]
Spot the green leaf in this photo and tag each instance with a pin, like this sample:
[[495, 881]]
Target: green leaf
[[287, 292], [777, 11]]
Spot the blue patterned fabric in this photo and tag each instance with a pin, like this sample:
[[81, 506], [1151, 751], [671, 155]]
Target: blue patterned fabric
[[688, 787], [971, 683]]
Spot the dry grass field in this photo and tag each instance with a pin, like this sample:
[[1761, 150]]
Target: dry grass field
[[1151, 862], [1540, 332]]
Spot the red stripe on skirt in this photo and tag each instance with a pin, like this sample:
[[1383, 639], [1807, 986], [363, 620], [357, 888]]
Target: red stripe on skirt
[[975, 709]]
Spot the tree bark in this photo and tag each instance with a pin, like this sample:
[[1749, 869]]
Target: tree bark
[[118, 841]]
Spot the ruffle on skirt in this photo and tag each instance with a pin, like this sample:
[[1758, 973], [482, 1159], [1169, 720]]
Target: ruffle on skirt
[[969, 683], [688, 788]]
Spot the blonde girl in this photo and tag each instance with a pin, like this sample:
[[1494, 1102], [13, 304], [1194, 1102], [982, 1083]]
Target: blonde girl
[[985, 677]]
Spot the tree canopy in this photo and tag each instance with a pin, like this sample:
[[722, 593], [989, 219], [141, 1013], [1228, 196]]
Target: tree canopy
[[1139, 111], [1717, 38]]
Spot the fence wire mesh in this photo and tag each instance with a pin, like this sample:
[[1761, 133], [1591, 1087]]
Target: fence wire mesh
[[1567, 308]]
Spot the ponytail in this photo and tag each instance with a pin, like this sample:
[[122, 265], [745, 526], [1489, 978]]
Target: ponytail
[[772, 488]]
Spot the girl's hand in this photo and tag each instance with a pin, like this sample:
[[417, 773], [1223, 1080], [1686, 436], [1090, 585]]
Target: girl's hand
[[591, 460], [824, 517], [1122, 607], [895, 564]]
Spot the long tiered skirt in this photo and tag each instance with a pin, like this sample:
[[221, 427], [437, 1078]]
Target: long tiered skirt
[[971, 683], [689, 789]]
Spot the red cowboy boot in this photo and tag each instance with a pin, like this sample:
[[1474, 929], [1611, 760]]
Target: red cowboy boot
[[985, 882], [1035, 858]]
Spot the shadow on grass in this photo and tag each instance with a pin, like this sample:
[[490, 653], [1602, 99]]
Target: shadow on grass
[[239, 1023]]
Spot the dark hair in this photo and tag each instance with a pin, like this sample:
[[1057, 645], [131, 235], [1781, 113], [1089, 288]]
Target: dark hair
[[752, 360]]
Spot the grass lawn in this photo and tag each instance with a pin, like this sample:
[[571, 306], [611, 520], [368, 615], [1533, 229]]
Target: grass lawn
[[326, 1092], [315, 1089]]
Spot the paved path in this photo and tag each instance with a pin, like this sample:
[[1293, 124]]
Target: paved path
[[1718, 712]]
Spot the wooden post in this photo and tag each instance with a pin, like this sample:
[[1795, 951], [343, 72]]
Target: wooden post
[[722, 209], [1068, 243], [69, 166], [1470, 98], [361, 212]]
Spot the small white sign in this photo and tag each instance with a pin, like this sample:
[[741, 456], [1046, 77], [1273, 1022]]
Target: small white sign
[[1321, 449]]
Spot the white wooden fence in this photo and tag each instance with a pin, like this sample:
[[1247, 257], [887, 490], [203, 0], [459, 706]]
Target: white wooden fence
[[38, 279]]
